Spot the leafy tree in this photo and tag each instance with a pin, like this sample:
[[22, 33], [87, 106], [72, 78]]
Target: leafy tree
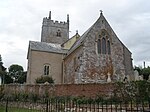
[[1, 63], [2, 70], [22, 78], [6, 79], [146, 73], [15, 71]]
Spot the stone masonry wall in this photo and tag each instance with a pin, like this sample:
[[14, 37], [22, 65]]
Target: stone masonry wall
[[76, 90], [73, 65], [94, 67], [98, 66], [38, 59]]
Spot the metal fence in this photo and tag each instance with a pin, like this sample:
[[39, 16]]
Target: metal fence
[[74, 105]]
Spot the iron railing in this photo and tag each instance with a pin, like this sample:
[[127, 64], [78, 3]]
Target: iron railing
[[74, 105]]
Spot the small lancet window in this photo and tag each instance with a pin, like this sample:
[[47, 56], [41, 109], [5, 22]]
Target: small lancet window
[[99, 46], [46, 69], [58, 33], [103, 46], [108, 47]]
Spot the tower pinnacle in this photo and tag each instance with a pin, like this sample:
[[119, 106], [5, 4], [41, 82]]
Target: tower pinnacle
[[49, 15], [68, 20]]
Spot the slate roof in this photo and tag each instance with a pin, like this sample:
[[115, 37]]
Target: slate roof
[[47, 47]]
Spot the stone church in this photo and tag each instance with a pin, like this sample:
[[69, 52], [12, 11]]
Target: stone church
[[97, 56]]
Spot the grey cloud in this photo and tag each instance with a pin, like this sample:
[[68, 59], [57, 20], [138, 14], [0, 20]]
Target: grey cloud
[[21, 21]]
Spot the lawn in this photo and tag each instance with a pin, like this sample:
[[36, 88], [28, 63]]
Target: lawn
[[2, 109]]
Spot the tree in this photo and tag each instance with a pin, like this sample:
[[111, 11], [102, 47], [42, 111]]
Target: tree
[[1, 63], [2, 70], [15, 71], [22, 78], [6, 79], [146, 73]]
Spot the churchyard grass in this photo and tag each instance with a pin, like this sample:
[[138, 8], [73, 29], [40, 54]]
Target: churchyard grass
[[13, 109]]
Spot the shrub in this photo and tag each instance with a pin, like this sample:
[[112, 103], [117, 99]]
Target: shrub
[[136, 90], [34, 97], [44, 79]]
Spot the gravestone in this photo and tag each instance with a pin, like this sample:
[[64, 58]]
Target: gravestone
[[108, 79], [136, 75]]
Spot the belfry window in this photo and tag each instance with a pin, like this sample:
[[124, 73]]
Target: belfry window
[[103, 46], [99, 46], [58, 34], [46, 69]]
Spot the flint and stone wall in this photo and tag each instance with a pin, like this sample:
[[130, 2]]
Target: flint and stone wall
[[85, 65]]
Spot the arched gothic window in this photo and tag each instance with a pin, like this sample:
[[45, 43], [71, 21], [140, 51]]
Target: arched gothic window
[[108, 47], [103, 43], [99, 46], [103, 46]]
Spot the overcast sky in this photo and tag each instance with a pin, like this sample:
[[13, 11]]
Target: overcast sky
[[21, 21]]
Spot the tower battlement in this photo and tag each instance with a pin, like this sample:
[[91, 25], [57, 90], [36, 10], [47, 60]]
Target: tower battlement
[[54, 31], [55, 23]]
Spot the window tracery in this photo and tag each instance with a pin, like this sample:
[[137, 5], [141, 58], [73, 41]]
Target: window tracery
[[103, 43]]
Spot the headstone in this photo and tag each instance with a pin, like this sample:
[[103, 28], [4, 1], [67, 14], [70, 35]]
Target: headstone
[[108, 79], [136, 75]]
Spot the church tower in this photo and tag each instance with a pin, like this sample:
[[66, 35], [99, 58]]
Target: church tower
[[54, 31]]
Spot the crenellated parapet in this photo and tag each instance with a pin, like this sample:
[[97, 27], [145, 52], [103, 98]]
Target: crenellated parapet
[[49, 22], [54, 31]]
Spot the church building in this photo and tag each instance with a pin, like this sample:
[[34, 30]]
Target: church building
[[97, 56]]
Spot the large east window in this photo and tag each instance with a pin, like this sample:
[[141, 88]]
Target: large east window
[[103, 43]]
